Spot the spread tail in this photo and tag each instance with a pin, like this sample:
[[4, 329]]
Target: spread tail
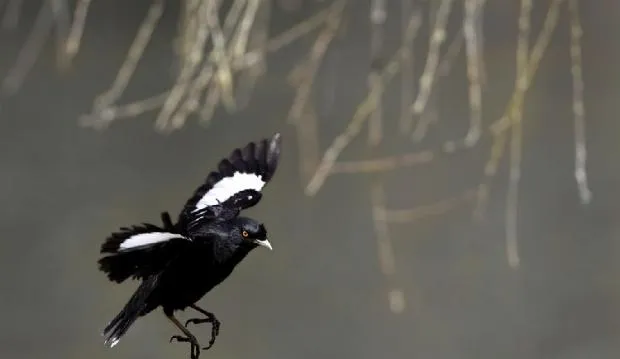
[[135, 307]]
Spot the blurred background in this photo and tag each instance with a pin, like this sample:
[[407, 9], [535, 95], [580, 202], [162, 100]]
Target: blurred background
[[448, 187]]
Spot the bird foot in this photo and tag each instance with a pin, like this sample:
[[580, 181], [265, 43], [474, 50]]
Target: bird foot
[[215, 328], [194, 346]]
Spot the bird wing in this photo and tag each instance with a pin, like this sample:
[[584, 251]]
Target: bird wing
[[140, 251], [235, 186]]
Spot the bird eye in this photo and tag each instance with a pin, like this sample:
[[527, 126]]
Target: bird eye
[[245, 234]]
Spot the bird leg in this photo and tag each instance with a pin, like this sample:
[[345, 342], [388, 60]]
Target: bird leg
[[188, 338], [210, 318]]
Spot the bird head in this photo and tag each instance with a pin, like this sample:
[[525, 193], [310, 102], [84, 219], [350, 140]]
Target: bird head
[[252, 233]]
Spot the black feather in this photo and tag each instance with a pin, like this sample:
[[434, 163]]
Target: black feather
[[139, 262], [135, 307], [113, 242], [260, 158]]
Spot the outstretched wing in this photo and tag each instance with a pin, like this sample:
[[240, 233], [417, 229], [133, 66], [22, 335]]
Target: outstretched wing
[[236, 185], [140, 251]]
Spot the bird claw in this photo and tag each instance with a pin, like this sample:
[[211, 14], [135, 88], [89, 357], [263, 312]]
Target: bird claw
[[194, 347], [180, 339], [215, 328]]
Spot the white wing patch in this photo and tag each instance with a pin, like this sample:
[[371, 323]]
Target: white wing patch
[[144, 239], [228, 187]]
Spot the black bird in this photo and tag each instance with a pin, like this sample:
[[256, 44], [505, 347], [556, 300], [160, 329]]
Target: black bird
[[179, 263]]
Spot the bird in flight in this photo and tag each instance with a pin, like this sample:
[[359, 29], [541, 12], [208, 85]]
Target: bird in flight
[[178, 263]]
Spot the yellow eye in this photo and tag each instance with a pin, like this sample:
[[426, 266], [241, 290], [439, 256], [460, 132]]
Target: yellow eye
[[245, 234]]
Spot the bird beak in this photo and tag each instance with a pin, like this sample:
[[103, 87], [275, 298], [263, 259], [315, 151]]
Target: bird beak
[[264, 243]]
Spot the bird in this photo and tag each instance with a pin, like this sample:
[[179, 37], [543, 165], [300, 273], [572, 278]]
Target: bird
[[178, 263]]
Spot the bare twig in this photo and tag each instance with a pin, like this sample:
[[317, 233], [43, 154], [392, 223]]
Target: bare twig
[[378, 16], [432, 58], [578, 107], [500, 127], [194, 58], [385, 250], [256, 41], [74, 38], [512, 200], [133, 57], [433, 209], [362, 112], [203, 81], [430, 116], [218, 53], [307, 71], [29, 53], [195, 77], [383, 164], [472, 17], [60, 9], [307, 137], [447, 61], [99, 120], [300, 29], [408, 72]]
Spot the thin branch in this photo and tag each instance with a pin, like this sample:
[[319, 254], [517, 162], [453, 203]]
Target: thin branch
[[307, 137], [99, 120], [408, 70], [383, 164], [385, 250], [133, 57], [472, 17], [29, 53], [184, 98], [378, 16], [218, 53], [256, 41], [444, 68], [578, 107], [500, 127], [60, 9], [74, 38], [362, 112], [512, 200], [438, 36], [203, 81], [194, 58], [299, 30], [306, 72], [434, 209]]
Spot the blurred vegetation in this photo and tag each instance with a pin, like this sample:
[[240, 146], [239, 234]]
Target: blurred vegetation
[[433, 81]]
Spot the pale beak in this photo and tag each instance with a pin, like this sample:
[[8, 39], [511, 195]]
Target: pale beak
[[264, 243]]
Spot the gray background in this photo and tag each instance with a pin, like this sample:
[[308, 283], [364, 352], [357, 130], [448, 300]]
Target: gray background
[[320, 293]]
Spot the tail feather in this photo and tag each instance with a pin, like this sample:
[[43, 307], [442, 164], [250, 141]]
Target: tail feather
[[118, 327], [137, 305], [140, 250], [119, 267]]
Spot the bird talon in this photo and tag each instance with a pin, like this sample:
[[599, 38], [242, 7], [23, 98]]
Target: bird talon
[[211, 320], [180, 339], [194, 347], [195, 351], [215, 328], [211, 341]]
